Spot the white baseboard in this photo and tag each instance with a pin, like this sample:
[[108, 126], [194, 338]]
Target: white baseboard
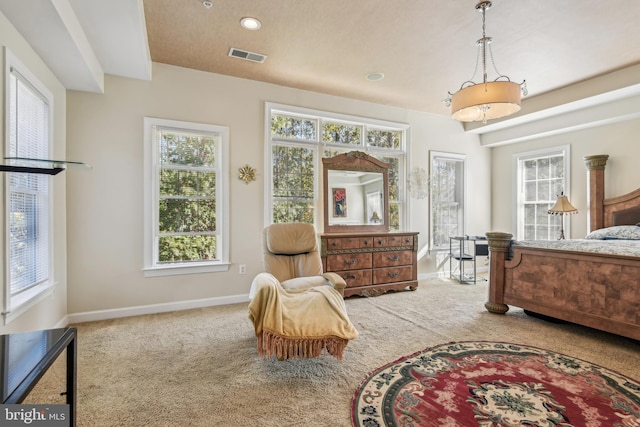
[[92, 316], [63, 323]]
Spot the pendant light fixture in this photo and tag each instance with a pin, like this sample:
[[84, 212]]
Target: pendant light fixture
[[489, 99]]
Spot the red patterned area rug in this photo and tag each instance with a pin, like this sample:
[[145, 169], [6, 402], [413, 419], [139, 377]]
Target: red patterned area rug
[[478, 383]]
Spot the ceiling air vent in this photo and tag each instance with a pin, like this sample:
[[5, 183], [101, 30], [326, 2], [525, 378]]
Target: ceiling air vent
[[249, 56]]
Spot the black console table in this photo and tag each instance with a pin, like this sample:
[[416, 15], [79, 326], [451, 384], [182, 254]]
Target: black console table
[[463, 249], [25, 358]]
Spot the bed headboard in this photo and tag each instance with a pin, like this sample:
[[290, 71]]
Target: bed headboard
[[603, 212], [623, 210]]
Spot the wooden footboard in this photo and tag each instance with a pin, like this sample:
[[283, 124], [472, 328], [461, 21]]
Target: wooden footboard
[[594, 290]]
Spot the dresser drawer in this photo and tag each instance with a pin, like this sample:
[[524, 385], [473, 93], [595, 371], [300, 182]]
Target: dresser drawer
[[342, 262], [342, 243], [393, 258], [393, 241], [366, 242], [392, 274], [356, 277], [349, 243]]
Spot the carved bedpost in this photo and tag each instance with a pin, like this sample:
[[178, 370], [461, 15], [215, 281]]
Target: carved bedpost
[[595, 195], [499, 244]]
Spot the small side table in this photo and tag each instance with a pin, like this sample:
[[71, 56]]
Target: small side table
[[464, 249], [26, 356]]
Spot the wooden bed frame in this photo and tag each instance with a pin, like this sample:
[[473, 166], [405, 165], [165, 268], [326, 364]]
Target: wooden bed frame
[[595, 290]]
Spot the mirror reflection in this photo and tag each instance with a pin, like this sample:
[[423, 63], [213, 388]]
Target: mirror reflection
[[355, 193], [357, 198]]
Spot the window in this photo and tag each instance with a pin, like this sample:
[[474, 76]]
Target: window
[[294, 188], [447, 198], [28, 199], [541, 177], [297, 139], [186, 168]]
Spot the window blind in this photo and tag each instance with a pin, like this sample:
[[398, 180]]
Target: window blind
[[28, 193]]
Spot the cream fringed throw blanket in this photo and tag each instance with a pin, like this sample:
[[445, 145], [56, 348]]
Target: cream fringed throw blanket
[[299, 325]]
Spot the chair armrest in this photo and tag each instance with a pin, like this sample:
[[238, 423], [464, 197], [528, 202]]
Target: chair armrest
[[262, 280], [336, 281]]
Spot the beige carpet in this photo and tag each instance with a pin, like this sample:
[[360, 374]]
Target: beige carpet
[[200, 367]]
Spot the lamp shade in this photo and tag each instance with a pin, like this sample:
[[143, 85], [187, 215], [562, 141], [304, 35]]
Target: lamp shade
[[486, 101], [562, 207]]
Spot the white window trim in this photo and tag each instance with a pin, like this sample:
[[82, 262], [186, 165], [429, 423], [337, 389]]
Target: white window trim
[[25, 300], [313, 114], [463, 159], [519, 157], [19, 304], [151, 195]]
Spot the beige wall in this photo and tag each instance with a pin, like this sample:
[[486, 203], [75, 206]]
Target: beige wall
[[105, 205], [98, 215], [622, 174], [52, 311]]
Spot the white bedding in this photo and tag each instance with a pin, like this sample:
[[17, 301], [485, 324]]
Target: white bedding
[[612, 247]]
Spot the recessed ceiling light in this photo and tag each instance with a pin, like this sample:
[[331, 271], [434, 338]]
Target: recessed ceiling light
[[250, 23], [207, 4], [372, 77]]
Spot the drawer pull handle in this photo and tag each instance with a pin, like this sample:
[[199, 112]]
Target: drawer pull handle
[[379, 242], [351, 262], [366, 243], [334, 244], [393, 258], [349, 277], [394, 274]]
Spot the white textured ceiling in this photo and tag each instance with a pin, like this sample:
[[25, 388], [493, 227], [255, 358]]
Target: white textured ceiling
[[424, 47]]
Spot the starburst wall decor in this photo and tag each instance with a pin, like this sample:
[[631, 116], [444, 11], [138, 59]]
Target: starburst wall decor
[[247, 174], [419, 182]]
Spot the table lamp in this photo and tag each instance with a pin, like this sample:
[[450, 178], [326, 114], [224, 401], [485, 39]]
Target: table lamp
[[562, 207]]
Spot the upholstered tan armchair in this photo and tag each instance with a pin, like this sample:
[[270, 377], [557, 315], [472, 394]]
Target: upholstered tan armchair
[[297, 311]]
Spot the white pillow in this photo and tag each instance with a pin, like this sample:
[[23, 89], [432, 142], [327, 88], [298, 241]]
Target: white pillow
[[618, 232]]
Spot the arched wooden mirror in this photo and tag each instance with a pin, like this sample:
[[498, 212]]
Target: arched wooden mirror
[[356, 193]]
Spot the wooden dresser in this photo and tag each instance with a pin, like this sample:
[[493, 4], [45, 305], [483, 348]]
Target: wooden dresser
[[372, 263]]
